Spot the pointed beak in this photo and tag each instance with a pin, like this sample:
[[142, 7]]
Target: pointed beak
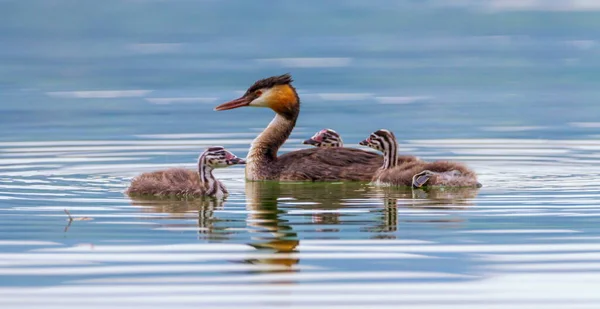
[[237, 160], [364, 143], [240, 102], [310, 141]]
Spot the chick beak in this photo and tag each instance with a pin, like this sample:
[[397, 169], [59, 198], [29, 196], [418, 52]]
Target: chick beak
[[364, 143], [310, 142], [239, 102], [237, 160]]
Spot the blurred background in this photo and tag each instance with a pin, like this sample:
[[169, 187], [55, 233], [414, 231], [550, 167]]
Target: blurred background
[[499, 68]]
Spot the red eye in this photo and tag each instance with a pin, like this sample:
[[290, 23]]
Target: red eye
[[258, 93]]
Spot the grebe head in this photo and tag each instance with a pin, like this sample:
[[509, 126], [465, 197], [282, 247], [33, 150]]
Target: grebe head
[[325, 138], [275, 92], [420, 179], [379, 140], [219, 157], [427, 173]]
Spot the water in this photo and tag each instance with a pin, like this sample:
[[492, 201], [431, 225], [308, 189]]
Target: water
[[92, 94]]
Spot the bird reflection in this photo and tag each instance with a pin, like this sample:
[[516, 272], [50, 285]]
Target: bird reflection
[[279, 215], [434, 198], [207, 223], [268, 228]]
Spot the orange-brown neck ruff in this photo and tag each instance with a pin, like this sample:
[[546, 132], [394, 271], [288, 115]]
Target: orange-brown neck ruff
[[285, 101], [263, 152]]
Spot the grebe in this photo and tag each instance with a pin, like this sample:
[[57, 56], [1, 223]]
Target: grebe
[[314, 164], [329, 138], [416, 173], [180, 182], [325, 138]]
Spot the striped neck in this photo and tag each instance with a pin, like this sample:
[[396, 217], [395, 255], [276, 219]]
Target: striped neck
[[337, 141], [390, 152], [208, 181]]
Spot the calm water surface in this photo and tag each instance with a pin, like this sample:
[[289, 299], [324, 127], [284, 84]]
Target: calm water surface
[[93, 94]]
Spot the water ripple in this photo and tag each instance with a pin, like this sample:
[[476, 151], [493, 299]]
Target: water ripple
[[534, 217]]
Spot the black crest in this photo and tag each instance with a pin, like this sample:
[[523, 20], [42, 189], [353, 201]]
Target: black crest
[[215, 148], [270, 82]]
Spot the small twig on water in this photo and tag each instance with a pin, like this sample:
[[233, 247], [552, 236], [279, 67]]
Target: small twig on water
[[78, 218], [69, 214], [71, 219]]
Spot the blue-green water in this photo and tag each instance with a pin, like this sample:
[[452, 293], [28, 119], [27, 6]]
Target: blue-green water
[[94, 93]]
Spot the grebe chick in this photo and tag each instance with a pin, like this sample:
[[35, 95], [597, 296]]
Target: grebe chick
[[325, 138], [180, 182], [421, 178], [416, 173], [313, 164], [329, 138]]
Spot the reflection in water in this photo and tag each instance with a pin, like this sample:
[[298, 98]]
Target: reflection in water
[[275, 213], [434, 197], [389, 218], [70, 220], [264, 216], [428, 198], [208, 228], [271, 205]]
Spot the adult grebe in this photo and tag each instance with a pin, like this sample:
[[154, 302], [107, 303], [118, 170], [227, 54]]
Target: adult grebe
[[416, 173], [315, 164], [325, 138], [180, 182]]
